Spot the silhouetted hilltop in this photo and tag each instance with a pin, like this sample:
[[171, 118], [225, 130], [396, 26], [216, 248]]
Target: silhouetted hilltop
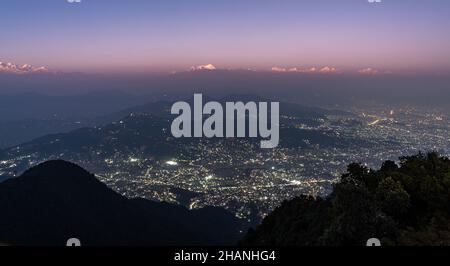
[[3, 178], [406, 204], [57, 200]]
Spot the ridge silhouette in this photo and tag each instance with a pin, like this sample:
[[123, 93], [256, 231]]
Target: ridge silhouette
[[58, 200]]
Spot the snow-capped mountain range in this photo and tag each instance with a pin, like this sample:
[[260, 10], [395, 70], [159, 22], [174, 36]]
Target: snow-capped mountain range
[[19, 69]]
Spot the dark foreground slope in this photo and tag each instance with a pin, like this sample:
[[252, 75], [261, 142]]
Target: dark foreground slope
[[406, 204], [57, 200]]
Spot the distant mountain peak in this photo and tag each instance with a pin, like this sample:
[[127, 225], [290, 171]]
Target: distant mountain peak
[[208, 67]]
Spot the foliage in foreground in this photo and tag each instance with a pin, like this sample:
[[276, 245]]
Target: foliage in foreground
[[405, 204]]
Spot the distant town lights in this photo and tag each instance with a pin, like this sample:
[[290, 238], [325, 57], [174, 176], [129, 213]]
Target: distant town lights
[[134, 160], [171, 163]]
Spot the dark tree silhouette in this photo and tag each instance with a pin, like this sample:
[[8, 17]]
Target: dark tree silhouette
[[405, 204]]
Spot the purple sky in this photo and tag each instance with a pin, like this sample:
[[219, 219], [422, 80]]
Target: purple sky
[[405, 36]]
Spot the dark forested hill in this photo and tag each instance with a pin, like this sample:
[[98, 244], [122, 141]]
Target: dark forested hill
[[132, 135], [405, 204], [57, 200]]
